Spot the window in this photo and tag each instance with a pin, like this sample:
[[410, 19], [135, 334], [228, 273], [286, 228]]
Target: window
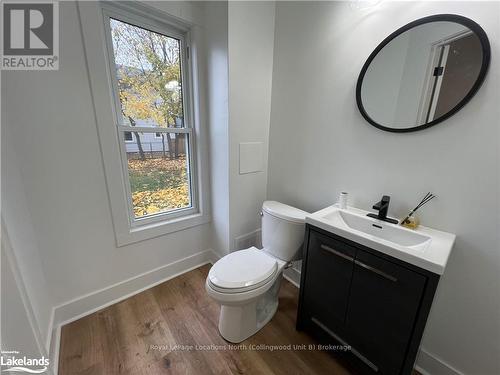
[[128, 137], [149, 85], [144, 83], [147, 105]]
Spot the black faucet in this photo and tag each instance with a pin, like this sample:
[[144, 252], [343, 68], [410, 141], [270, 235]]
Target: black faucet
[[382, 207]]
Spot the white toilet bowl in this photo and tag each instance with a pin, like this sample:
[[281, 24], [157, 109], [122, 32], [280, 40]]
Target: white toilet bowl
[[246, 282]]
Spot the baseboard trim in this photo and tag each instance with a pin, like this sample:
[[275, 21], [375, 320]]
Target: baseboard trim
[[430, 364], [90, 303], [55, 343], [12, 262], [253, 238], [48, 339], [94, 301], [421, 371], [293, 276], [426, 364]]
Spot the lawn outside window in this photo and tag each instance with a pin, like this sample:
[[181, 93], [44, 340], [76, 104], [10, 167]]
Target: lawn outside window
[[153, 115], [149, 86]]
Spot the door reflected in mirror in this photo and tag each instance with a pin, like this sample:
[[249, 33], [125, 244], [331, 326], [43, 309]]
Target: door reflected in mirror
[[423, 73]]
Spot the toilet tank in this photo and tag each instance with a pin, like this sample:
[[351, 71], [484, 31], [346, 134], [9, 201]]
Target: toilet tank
[[282, 230]]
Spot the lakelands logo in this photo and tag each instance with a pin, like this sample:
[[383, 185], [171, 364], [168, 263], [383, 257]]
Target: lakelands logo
[[30, 35], [11, 362]]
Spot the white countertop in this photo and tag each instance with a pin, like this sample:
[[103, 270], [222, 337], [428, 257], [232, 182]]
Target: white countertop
[[432, 255]]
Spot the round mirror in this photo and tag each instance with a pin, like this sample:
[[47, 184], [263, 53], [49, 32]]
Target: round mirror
[[423, 73]]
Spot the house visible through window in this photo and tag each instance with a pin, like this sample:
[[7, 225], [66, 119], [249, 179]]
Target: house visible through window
[[128, 136], [152, 107]]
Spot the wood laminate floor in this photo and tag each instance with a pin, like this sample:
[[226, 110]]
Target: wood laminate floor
[[139, 334]]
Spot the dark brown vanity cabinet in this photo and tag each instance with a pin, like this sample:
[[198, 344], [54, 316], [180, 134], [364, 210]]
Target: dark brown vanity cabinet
[[354, 296]]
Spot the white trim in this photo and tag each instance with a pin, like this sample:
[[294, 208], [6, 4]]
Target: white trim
[[154, 18], [55, 344], [18, 279], [430, 364], [421, 370], [438, 82], [100, 83], [150, 129], [292, 275], [132, 134], [136, 18], [48, 339], [429, 79], [426, 363], [91, 302], [253, 238]]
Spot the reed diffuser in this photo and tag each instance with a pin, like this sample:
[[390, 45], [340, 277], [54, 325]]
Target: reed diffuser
[[411, 222]]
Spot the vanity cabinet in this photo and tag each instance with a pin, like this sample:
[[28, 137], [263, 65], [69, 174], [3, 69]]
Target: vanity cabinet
[[332, 265], [354, 296]]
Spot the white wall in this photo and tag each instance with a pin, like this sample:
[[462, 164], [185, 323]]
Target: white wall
[[216, 44], [19, 326], [60, 164], [19, 228], [320, 145], [250, 46], [385, 74]]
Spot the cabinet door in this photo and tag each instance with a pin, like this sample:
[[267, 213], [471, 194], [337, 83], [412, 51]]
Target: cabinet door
[[383, 305], [330, 265]]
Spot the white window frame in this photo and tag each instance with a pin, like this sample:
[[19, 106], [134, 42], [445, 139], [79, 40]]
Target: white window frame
[[158, 136], [103, 82], [122, 126], [131, 140]]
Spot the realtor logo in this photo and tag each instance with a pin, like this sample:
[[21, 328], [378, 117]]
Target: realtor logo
[[30, 38], [11, 361]]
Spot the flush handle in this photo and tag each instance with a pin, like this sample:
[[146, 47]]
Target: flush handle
[[337, 253]]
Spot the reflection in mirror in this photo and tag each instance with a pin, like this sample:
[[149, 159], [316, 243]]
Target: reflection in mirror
[[421, 75]]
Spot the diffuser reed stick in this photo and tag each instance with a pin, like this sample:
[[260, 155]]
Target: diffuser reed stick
[[428, 197]]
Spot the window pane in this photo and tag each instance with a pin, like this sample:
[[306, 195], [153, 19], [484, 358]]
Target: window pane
[[159, 173], [128, 136], [148, 70]]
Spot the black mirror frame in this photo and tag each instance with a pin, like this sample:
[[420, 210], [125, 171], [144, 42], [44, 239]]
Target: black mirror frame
[[467, 22]]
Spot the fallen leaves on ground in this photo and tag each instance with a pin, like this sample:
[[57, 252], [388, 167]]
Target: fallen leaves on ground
[[158, 185]]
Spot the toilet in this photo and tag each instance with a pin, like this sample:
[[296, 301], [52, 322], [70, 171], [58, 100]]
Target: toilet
[[246, 282]]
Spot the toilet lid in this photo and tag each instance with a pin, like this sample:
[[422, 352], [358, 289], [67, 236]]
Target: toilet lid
[[242, 269]]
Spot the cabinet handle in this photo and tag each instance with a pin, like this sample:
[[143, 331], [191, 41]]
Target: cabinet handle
[[375, 270], [337, 253], [353, 351]]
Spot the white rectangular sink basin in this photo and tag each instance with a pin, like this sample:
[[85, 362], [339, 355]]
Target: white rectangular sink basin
[[424, 247], [380, 230]]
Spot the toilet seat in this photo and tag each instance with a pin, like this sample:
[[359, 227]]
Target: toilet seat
[[242, 271], [246, 283]]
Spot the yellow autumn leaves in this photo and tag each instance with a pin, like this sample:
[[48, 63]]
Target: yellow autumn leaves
[[152, 202], [158, 185]]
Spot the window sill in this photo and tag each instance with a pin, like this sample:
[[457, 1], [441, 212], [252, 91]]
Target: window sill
[[149, 231]]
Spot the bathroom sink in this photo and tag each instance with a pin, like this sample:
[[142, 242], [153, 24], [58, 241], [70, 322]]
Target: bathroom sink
[[424, 247], [380, 230]]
